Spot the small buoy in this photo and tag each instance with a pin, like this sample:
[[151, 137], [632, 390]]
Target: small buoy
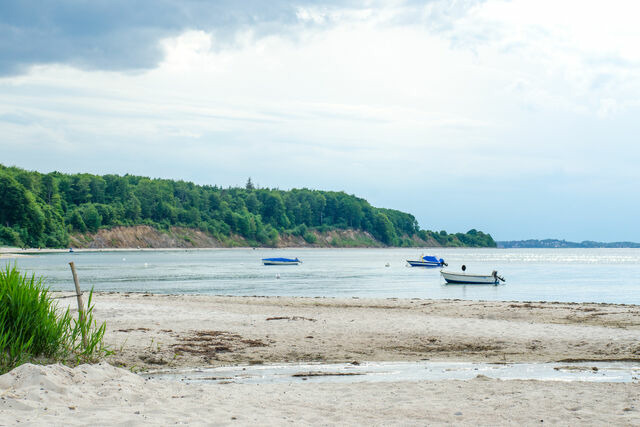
[[124, 259], [277, 275], [146, 265], [387, 265]]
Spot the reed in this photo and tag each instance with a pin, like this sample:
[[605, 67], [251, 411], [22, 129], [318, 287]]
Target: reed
[[33, 329]]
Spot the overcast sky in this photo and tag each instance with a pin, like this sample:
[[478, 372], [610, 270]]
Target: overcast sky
[[518, 118]]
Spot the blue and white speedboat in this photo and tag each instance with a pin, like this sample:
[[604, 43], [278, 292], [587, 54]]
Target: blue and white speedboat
[[427, 261], [281, 261]]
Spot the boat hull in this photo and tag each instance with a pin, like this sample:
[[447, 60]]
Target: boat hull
[[280, 262], [469, 279]]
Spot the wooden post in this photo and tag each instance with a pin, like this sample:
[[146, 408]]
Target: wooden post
[[79, 298]]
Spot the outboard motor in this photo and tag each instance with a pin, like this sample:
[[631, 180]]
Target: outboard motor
[[443, 263]]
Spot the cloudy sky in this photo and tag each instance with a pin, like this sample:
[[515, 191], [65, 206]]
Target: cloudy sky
[[519, 118]]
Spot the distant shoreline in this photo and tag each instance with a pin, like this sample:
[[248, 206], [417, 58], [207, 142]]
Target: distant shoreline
[[13, 252], [562, 244], [9, 252]]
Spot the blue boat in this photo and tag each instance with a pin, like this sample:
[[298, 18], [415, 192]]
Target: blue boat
[[427, 261], [281, 261]]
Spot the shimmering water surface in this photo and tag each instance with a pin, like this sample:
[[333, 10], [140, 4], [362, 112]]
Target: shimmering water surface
[[567, 275]]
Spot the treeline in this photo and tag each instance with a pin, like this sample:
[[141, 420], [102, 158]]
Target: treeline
[[41, 210]]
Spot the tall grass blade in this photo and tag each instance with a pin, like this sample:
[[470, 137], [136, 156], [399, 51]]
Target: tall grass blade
[[31, 328]]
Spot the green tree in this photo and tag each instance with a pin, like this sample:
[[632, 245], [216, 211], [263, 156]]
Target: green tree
[[132, 209], [273, 210], [50, 190], [13, 201], [77, 222], [92, 218], [98, 188], [81, 189], [384, 229], [9, 236], [252, 203], [18, 207]]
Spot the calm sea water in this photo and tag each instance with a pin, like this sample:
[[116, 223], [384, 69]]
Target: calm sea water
[[567, 275]]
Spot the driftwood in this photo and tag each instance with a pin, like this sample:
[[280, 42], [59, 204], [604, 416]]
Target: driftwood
[[291, 318]]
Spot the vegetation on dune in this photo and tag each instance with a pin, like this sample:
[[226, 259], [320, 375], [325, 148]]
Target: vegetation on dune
[[40, 210], [32, 329]]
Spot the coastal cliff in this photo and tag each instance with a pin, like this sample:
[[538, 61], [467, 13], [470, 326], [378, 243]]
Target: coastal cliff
[[144, 236]]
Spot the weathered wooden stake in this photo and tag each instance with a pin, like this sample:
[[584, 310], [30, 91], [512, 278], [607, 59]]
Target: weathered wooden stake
[[79, 297]]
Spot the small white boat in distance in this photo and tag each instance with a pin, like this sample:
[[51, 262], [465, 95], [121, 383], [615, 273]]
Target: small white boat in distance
[[471, 279], [281, 261]]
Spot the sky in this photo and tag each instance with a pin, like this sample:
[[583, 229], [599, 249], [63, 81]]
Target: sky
[[518, 118]]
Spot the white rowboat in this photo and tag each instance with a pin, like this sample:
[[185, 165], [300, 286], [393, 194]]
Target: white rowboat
[[471, 279]]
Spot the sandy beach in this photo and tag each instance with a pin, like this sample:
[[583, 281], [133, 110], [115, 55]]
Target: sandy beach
[[148, 331], [104, 395], [151, 332]]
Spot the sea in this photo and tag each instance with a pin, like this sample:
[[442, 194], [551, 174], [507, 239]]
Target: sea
[[563, 275]]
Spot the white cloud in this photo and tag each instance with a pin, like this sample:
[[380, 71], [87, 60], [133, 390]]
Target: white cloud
[[495, 97], [565, 48]]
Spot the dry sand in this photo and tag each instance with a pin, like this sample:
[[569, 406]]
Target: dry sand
[[151, 331], [167, 331]]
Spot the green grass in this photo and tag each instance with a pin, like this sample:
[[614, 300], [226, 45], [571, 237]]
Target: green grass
[[32, 329]]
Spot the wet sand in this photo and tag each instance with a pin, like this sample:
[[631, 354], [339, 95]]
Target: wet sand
[[104, 395]]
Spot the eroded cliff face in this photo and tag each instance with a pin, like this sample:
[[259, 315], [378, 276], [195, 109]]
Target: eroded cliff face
[[143, 236]]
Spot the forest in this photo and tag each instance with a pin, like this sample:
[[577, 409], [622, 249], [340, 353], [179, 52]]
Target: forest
[[42, 210]]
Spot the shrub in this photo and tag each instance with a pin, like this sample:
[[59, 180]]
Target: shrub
[[310, 238], [10, 237], [32, 330]]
